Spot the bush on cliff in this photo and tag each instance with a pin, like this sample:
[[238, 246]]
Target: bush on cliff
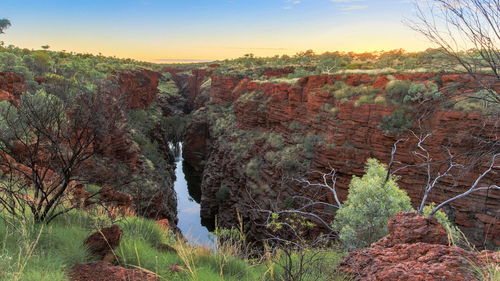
[[397, 90], [397, 123], [363, 217]]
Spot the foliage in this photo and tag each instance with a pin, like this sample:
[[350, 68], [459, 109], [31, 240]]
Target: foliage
[[299, 257], [40, 128], [252, 168], [483, 101], [310, 142], [4, 24], [308, 63], [420, 92], [255, 98], [397, 90], [288, 159], [84, 69], [32, 251], [397, 123], [222, 194], [363, 217]]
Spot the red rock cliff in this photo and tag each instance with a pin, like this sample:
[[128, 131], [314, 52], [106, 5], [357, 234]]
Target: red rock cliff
[[122, 156], [356, 134]]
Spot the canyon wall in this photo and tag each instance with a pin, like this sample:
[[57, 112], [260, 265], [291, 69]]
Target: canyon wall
[[125, 169], [350, 133]]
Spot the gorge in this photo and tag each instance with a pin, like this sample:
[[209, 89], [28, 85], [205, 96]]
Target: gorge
[[269, 127], [258, 112]]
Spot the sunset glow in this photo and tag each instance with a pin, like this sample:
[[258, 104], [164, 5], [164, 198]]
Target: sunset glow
[[160, 31]]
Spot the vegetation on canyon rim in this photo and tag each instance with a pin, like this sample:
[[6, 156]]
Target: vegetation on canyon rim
[[54, 138]]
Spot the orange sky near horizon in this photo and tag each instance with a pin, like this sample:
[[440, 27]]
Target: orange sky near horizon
[[154, 30]]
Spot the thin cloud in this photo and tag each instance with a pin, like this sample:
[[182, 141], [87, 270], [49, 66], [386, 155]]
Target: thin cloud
[[291, 4], [353, 8]]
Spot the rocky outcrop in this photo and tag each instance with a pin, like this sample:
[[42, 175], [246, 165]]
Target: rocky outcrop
[[137, 88], [278, 72], [352, 133], [12, 84], [415, 249], [104, 271], [102, 242], [410, 228]]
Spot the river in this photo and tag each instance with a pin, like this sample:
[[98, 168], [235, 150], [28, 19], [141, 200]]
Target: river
[[188, 210]]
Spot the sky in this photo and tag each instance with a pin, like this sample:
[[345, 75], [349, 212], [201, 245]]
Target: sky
[[165, 30]]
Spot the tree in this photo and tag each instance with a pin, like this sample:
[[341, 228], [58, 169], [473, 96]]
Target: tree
[[373, 199], [299, 231], [437, 170], [468, 32], [4, 24], [46, 144], [330, 62]]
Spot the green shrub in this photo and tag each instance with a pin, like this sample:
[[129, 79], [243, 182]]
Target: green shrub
[[364, 100], [421, 92], [288, 159], [276, 140], [345, 94], [379, 100], [363, 217], [310, 142], [398, 123], [397, 90], [484, 101], [468, 105], [222, 194], [339, 85], [252, 168], [143, 229]]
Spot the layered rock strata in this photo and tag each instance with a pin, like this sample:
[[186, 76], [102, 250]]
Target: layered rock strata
[[352, 132]]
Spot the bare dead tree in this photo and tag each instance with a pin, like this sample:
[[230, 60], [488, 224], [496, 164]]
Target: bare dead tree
[[44, 143], [291, 231], [328, 185], [468, 32], [475, 187], [436, 170]]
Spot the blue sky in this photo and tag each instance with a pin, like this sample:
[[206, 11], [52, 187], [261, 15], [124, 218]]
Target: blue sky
[[212, 29]]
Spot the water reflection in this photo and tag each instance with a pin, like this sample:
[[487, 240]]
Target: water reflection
[[188, 198]]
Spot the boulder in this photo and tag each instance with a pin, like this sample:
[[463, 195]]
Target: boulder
[[410, 227], [104, 271], [415, 249], [419, 261], [102, 243]]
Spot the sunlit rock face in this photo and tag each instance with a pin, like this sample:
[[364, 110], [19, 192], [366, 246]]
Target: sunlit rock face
[[352, 133], [415, 249]]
